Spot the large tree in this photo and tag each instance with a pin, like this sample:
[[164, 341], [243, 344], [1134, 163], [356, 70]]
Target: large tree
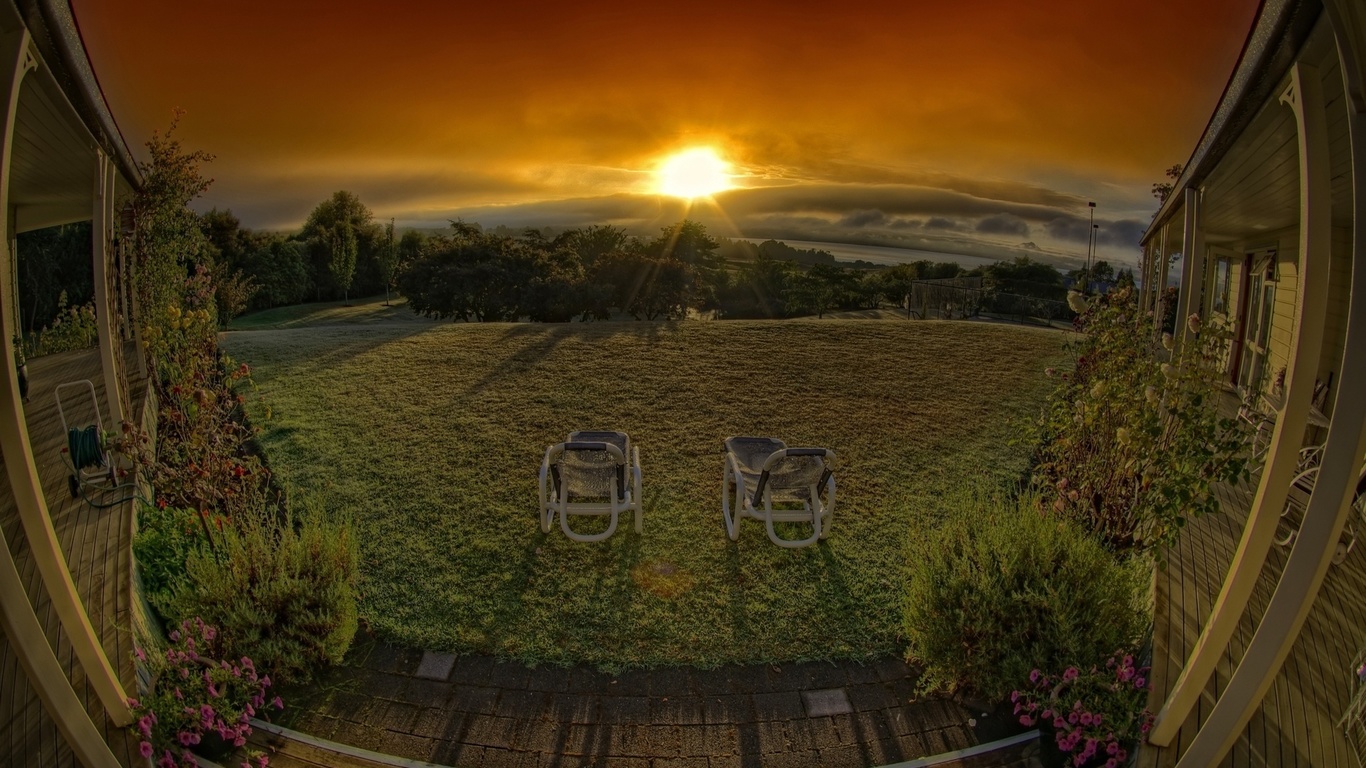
[[341, 248], [324, 229]]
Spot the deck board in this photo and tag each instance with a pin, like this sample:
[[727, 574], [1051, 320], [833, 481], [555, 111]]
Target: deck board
[[1296, 724], [98, 549]]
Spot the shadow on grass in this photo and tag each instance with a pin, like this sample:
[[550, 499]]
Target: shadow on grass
[[545, 340]]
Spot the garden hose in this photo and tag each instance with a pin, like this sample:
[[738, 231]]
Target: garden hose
[[86, 449]]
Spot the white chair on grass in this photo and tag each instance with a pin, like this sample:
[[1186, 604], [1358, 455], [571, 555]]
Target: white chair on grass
[[592, 474], [762, 472]]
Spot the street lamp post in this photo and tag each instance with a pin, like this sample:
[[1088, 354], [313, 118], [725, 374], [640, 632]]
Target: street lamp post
[[1090, 242]]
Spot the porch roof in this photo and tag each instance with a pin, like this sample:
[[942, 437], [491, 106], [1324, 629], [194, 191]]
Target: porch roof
[[1281, 28]]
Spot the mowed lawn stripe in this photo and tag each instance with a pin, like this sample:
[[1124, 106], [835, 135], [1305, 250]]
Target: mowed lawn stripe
[[430, 438]]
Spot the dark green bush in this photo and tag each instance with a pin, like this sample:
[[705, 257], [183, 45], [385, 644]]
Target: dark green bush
[[165, 539], [1001, 589], [282, 593]]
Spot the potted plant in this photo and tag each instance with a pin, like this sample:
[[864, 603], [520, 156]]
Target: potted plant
[[197, 704], [1096, 716]]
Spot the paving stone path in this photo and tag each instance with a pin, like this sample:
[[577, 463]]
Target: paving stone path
[[474, 711]]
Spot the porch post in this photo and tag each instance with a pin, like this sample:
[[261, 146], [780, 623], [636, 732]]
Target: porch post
[[1160, 269], [14, 443], [1304, 97], [1335, 487], [109, 344], [40, 665], [1143, 266], [1192, 266]]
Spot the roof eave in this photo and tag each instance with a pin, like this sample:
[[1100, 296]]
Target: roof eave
[[1280, 30], [57, 37]]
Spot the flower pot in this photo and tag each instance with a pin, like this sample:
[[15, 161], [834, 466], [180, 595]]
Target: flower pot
[[211, 746]]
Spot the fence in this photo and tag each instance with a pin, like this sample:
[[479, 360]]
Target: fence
[[963, 297]]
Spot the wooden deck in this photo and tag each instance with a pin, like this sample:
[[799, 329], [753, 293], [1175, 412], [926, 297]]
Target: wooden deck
[[98, 547], [1296, 724]]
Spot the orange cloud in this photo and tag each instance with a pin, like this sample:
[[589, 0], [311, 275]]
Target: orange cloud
[[434, 106]]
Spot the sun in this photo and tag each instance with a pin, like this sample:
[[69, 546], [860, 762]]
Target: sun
[[696, 172]]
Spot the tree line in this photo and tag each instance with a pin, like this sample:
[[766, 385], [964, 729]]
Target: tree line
[[592, 273]]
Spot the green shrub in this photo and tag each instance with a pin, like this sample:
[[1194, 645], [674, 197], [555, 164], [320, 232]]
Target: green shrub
[[282, 593], [1000, 590], [166, 537], [73, 328], [1133, 445]]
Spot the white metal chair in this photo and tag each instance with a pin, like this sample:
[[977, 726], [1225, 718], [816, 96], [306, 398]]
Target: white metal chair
[[592, 473], [1297, 502], [761, 472]]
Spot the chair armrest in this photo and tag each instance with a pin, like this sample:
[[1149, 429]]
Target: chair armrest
[[544, 474]]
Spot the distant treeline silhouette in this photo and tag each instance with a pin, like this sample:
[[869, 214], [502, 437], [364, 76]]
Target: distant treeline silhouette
[[471, 273]]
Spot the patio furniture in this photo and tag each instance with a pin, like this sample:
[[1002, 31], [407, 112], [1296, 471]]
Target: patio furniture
[[1261, 411], [590, 474], [1297, 502], [762, 472]]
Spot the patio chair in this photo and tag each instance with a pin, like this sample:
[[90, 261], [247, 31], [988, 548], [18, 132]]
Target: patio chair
[[761, 472], [592, 474], [1297, 502]]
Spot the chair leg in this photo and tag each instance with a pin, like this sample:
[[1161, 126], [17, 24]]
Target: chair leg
[[637, 496], [732, 521], [828, 507], [587, 537]]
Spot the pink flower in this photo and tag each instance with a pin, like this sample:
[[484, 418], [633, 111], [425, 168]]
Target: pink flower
[[277, 703], [137, 652], [145, 727], [1139, 682], [1145, 727], [1034, 675], [1026, 720], [1069, 674], [1112, 763], [145, 749]]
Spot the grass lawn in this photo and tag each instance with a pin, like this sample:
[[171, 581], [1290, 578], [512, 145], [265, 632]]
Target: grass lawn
[[364, 310], [430, 437]]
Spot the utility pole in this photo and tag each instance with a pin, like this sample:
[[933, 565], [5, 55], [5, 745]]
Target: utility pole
[[1090, 241]]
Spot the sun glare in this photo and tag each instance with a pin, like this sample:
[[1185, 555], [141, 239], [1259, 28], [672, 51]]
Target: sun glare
[[696, 172]]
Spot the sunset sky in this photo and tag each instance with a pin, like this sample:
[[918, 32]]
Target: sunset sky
[[965, 127]]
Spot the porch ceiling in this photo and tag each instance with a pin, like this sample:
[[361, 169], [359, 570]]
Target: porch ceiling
[[1255, 189], [52, 173]]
